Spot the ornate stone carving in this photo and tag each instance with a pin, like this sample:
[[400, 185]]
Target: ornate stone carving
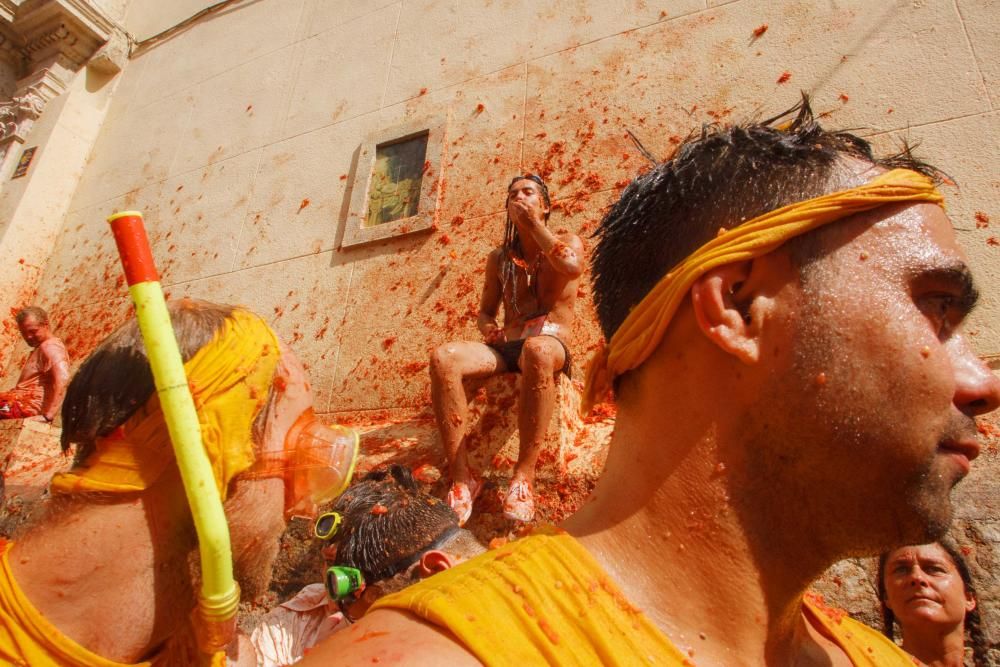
[[20, 113]]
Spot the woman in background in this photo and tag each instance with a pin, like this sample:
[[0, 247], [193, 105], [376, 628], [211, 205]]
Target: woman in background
[[928, 591]]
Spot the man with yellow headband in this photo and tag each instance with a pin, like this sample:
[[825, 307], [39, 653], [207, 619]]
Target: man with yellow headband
[[783, 312], [108, 575]]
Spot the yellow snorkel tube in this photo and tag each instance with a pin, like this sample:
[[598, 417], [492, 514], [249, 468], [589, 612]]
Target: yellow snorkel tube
[[215, 616]]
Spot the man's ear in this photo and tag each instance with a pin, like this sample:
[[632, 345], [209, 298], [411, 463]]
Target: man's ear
[[970, 602], [722, 309], [434, 561]]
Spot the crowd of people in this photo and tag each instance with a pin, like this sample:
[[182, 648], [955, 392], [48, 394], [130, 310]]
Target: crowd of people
[[773, 298]]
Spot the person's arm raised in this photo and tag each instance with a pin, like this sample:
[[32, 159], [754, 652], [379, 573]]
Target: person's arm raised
[[564, 252]]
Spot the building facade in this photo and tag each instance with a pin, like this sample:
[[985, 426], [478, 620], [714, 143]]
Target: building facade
[[253, 134]]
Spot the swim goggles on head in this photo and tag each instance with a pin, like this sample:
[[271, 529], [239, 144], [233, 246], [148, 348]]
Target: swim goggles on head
[[327, 525]]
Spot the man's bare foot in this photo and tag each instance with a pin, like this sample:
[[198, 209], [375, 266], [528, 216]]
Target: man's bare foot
[[520, 503], [461, 496]]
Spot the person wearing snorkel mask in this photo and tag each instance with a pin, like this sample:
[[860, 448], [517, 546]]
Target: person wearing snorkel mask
[[109, 574], [382, 535]]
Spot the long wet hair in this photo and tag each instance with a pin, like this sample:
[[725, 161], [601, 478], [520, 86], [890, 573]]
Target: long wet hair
[[975, 634], [512, 247], [718, 178], [115, 380]]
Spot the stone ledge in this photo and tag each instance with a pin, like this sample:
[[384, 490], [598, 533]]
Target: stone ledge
[[571, 460], [24, 443]]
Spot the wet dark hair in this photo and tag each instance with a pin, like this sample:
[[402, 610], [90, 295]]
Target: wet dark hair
[[34, 312], [115, 380], [512, 247], [717, 178], [384, 543], [975, 633]]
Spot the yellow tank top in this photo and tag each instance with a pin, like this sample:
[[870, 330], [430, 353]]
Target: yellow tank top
[[28, 639], [545, 600]]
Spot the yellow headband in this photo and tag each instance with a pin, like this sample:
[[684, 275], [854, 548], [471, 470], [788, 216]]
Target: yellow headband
[[641, 332], [230, 379]]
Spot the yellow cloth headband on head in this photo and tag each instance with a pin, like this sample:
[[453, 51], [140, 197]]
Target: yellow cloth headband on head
[[230, 379], [641, 332]]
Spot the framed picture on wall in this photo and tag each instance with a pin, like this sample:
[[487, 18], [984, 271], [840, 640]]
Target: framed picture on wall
[[397, 182]]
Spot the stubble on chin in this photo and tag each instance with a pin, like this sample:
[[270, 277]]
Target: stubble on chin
[[929, 499]]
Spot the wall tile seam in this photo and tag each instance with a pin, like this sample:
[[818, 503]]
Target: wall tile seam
[[175, 149], [715, 7], [199, 82], [293, 80], [246, 209], [930, 123], [295, 76], [193, 281], [972, 50], [383, 106], [304, 37], [333, 374], [340, 341], [92, 140], [265, 145], [189, 281], [524, 119], [392, 53], [282, 260], [161, 181], [173, 175], [542, 56]]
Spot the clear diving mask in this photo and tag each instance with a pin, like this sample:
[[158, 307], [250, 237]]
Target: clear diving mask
[[317, 463]]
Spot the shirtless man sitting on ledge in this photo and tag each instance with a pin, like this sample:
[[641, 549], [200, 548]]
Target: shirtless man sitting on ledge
[[534, 274]]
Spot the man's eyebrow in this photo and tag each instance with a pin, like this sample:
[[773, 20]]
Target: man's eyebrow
[[959, 276]]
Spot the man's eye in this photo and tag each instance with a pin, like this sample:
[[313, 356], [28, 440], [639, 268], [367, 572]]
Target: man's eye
[[941, 309]]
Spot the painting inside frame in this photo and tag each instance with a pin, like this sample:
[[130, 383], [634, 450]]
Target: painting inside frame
[[394, 191]]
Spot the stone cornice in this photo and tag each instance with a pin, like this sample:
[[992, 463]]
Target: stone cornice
[[74, 29], [42, 30]]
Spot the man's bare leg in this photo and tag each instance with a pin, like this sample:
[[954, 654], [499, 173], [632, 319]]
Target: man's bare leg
[[452, 363], [541, 358]]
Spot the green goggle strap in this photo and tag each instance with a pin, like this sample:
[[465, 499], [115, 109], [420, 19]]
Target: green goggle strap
[[342, 582]]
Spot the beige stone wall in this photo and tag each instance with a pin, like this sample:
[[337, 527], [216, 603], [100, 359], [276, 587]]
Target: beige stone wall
[[236, 138]]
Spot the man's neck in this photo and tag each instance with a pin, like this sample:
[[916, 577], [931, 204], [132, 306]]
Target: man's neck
[[104, 566], [936, 648], [662, 523]]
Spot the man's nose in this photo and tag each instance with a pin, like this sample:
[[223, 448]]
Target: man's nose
[[977, 388]]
